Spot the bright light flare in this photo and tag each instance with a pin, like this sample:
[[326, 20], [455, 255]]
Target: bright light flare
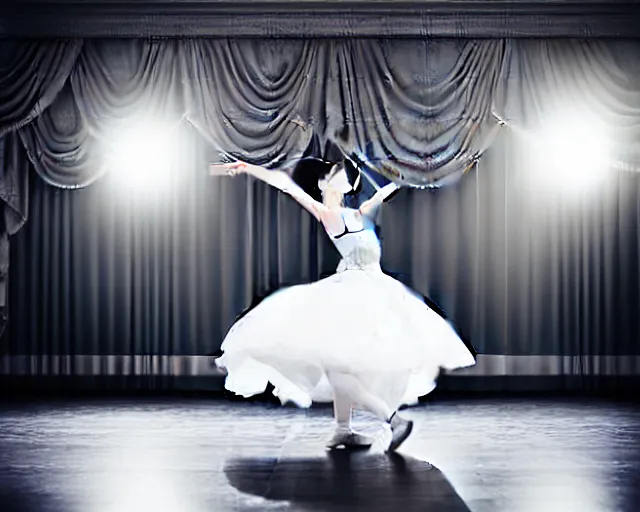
[[574, 151], [142, 155]]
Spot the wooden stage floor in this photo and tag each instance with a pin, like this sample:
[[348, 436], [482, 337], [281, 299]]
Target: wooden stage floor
[[197, 455]]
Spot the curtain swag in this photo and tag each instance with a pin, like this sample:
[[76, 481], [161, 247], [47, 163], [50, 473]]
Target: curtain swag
[[420, 111]]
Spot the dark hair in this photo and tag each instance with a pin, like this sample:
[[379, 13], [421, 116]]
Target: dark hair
[[309, 171]]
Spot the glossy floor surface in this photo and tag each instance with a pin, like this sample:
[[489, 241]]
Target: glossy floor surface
[[188, 455]]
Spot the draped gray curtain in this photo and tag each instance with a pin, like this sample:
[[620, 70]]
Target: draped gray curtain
[[31, 76], [420, 110], [520, 269]]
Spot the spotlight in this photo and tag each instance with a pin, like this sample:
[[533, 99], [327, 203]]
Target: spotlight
[[141, 155], [574, 150]]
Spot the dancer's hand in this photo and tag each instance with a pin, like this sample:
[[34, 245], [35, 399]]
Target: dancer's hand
[[230, 169]]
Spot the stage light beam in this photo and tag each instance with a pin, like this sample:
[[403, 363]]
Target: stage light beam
[[141, 156], [574, 151]]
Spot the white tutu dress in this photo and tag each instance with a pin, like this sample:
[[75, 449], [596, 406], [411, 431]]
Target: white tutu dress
[[358, 321]]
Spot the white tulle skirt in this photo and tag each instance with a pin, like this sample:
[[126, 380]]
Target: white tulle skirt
[[364, 323]]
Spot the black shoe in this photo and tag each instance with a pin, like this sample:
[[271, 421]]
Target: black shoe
[[400, 430]]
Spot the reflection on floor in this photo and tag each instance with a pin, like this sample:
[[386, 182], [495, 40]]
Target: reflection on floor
[[196, 455]]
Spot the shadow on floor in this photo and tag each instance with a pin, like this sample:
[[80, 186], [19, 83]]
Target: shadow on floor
[[347, 481]]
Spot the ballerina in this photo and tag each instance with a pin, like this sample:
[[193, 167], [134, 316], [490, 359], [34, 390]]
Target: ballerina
[[358, 338]]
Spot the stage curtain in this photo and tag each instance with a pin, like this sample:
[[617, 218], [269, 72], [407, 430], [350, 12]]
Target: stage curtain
[[421, 112], [418, 111], [31, 75], [594, 82]]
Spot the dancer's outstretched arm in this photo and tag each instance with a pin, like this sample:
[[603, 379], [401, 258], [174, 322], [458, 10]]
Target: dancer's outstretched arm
[[370, 206], [278, 179]]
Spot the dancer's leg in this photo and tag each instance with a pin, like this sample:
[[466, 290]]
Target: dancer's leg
[[351, 387], [343, 435], [342, 412]]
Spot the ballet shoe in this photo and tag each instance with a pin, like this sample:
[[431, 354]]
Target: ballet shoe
[[349, 440], [400, 430]]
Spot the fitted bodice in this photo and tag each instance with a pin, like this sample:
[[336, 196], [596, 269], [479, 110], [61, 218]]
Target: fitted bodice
[[358, 244]]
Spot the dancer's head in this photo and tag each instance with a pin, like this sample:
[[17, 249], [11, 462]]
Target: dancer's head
[[327, 182]]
